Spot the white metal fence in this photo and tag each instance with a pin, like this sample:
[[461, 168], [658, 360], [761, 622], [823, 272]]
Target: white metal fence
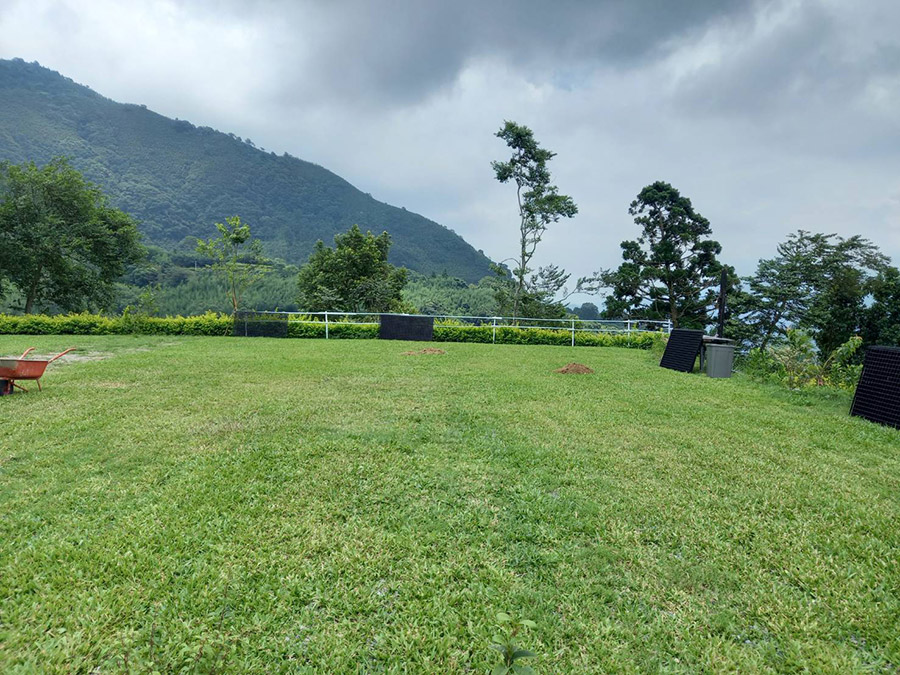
[[573, 326]]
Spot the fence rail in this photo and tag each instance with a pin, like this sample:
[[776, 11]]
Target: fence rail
[[573, 326]]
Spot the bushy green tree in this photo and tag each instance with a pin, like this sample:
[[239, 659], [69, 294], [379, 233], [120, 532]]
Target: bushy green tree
[[588, 311], [817, 282], [881, 321], [236, 256], [60, 242], [670, 270], [354, 276]]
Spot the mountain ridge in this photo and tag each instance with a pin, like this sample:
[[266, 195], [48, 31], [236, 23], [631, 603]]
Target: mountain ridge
[[178, 179]]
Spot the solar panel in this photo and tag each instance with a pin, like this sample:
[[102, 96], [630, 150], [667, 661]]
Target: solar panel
[[397, 327], [251, 324], [682, 349], [877, 396]]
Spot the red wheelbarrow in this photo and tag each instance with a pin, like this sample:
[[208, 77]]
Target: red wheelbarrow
[[24, 369]]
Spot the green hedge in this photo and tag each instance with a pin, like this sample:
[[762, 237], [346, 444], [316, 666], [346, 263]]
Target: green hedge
[[95, 324], [221, 324], [540, 336]]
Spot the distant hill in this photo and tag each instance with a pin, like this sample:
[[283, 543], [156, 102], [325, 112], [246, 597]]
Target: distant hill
[[178, 179]]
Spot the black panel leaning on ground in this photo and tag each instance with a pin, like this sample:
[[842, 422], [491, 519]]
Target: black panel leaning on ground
[[877, 396], [682, 349], [400, 327], [254, 324]]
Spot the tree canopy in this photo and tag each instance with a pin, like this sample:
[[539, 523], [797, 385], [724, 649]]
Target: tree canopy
[[670, 270], [354, 276], [61, 244], [816, 282]]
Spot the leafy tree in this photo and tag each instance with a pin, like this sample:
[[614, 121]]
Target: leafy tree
[[60, 242], [670, 270], [817, 282], [538, 300], [588, 311], [236, 256], [881, 321], [354, 276], [538, 200]]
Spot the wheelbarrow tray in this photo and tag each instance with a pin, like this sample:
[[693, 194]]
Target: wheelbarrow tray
[[22, 369]]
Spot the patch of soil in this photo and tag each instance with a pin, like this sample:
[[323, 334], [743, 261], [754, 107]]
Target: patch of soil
[[71, 357], [427, 350], [574, 369]]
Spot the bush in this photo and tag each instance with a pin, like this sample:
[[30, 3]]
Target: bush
[[445, 332], [796, 363], [127, 324]]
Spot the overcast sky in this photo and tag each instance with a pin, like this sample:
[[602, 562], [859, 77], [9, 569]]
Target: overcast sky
[[771, 116]]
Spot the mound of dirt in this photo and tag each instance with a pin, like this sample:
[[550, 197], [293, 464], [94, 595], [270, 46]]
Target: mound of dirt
[[574, 369], [428, 350]]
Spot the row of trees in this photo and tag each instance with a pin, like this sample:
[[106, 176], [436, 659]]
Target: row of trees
[[62, 246]]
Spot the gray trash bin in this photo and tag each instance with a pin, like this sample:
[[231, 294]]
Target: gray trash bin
[[719, 360]]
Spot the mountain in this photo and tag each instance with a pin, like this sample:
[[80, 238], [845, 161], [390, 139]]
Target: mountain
[[178, 179]]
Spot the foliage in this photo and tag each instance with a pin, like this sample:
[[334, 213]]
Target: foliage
[[510, 651], [797, 363], [237, 257], [881, 321], [127, 324], [539, 204], [817, 282], [342, 507], [173, 176], [588, 311], [60, 243], [670, 270], [443, 294], [354, 276]]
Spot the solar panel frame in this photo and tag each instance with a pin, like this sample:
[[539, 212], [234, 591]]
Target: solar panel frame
[[398, 327], [682, 349], [252, 324], [877, 396]]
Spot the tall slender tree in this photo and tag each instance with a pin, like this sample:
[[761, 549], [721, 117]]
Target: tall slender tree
[[237, 257], [539, 201]]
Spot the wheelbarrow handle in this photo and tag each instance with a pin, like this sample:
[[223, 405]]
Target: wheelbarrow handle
[[70, 349], [26, 352]]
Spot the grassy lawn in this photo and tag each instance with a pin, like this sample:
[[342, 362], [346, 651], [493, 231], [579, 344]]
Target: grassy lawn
[[256, 505]]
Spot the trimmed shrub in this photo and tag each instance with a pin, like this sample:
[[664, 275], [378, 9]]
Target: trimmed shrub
[[127, 324]]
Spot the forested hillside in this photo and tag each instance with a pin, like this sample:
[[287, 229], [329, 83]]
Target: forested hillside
[[178, 179]]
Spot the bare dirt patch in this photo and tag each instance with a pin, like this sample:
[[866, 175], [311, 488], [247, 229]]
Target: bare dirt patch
[[428, 350], [112, 385], [574, 369]]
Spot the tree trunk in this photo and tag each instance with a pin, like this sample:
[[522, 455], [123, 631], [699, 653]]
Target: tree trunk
[[33, 289]]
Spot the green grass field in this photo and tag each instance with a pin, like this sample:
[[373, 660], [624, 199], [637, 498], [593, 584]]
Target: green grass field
[[254, 505]]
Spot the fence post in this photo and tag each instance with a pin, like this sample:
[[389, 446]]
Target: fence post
[[326, 325], [629, 327], [494, 332], [669, 326], [573, 332]]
